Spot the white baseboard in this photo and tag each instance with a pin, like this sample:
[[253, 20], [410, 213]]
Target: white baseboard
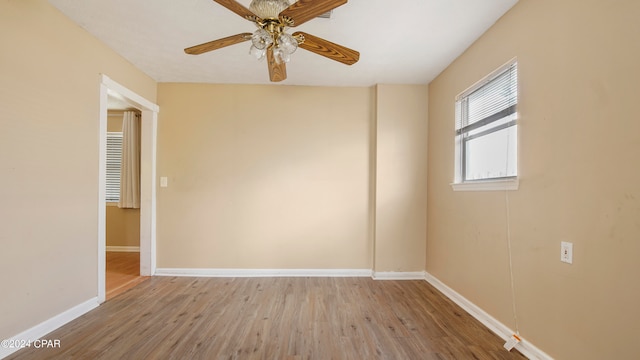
[[123, 248], [47, 326], [394, 275], [526, 348], [206, 272], [263, 272]]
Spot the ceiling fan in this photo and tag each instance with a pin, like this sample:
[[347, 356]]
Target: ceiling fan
[[273, 17]]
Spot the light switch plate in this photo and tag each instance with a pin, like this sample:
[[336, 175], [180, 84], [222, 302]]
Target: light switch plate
[[566, 252], [163, 181]]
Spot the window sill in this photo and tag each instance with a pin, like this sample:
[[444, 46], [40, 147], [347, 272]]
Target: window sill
[[488, 185], [112, 203]]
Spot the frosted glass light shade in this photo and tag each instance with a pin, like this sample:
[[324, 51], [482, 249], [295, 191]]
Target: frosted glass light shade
[[287, 43], [281, 56], [258, 53], [261, 39], [268, 9]]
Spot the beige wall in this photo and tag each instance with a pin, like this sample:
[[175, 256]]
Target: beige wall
[[401, 178], [579, 142], [49, 108], [123, 227], [114, 121], [253, 186]]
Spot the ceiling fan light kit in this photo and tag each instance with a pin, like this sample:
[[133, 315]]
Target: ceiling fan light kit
[[268, 9], [273, 17]]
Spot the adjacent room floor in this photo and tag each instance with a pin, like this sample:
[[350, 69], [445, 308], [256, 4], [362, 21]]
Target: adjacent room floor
[[123, 272], [275, 318]]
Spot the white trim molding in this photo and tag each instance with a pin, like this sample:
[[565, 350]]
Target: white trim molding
[[487, 185], [149, 126], [128, 96], [395, 275], [47, 326], [263, 272], [123, 248], [208, 272], [526, 348]]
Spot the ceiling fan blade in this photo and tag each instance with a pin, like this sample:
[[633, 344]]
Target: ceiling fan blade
[[277, 72], [304, 10], [237, 8], [328, 49], [217, 44]]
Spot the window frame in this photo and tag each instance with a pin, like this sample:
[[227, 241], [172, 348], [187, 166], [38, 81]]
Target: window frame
[[488, 184]]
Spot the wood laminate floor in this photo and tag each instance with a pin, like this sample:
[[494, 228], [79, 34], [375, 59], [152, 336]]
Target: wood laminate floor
[[122, 273], [275, 318]]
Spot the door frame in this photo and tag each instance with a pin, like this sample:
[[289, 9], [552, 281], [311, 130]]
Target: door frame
[[148, 146]]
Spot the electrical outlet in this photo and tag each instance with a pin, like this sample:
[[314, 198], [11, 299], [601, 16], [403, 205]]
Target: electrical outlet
[[512, 342], [566, 252]]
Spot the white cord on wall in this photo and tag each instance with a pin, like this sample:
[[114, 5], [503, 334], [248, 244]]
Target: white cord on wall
[[513, 288]]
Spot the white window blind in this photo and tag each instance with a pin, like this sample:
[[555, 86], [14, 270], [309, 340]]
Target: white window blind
[[114, 159], [486, 127]]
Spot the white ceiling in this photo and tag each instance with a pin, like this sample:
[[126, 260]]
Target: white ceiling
[[400, 42]]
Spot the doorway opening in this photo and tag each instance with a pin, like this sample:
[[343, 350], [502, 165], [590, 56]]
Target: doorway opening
[[111, 90], [123, 218]]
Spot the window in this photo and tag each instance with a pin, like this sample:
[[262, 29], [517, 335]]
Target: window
[[114, 158], [486, 128]]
